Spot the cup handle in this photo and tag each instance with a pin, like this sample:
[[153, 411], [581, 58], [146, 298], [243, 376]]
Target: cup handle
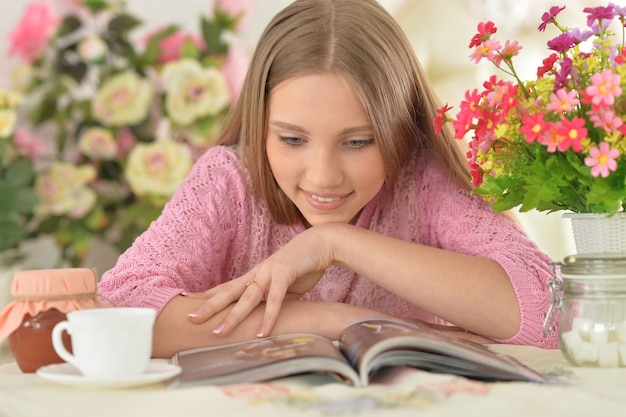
[[59, 346]]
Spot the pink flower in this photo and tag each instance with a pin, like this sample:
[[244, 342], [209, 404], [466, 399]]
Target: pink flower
[[601, 159], [234, 70], [33, 31], [30, 146], [488, 49], [563, 101], [604, 88], [533, 127], [605, 119]]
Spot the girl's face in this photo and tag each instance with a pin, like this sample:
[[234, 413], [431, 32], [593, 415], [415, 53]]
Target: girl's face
[[321, 148]]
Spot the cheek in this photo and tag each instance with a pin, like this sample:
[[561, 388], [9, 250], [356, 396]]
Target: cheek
[[370, 172]]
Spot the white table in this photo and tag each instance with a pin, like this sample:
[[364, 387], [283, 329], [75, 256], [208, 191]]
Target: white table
[[578, 392]]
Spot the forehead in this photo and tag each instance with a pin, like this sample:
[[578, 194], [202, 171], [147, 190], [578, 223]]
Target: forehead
[[329, 92]]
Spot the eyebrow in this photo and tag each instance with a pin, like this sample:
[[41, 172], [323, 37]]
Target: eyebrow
[[296, 128]]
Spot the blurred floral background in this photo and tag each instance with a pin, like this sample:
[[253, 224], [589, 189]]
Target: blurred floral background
[[96, 168], [100, 124]]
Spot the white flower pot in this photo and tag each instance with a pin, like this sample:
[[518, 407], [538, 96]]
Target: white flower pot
[[598, 233]]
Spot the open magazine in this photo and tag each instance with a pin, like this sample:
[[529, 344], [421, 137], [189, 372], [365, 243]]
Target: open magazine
[[364, 349]]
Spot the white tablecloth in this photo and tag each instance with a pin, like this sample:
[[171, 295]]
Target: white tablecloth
[[574, 392]]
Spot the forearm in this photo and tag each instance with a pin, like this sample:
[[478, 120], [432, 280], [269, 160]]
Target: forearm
[[472, 292], [174, 331]]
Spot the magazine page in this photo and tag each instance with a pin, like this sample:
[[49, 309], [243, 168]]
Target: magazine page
[[372, 344], [262, 359]]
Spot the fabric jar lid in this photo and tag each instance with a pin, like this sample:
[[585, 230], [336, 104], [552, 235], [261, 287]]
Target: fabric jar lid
[[34, 291]]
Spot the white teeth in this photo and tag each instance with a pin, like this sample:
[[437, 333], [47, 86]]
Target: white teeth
[[324, 200]]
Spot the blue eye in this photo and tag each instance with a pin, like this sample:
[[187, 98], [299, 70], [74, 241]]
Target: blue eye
[[291, 140], [360, 143]]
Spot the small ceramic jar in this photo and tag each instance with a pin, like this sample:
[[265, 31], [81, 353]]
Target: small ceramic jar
[[589, 292], [40, 299]]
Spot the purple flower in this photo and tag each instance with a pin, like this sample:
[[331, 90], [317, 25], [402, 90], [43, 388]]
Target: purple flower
[[549, 16], [560, 77], [580, 35], [618, 10], [562, 42]]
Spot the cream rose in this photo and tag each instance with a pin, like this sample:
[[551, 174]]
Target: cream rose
[[156, 169], [92, 48], [97, 143], [193, 91], [62, 190], [8, 119], [123, 100]]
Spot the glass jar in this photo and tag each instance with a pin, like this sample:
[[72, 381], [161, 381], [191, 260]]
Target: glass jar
[[588, 294], [41, 299]]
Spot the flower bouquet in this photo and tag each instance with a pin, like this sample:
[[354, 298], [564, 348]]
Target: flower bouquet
[[113, 121], [556, 142]]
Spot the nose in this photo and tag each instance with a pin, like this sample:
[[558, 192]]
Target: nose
[[324, 168]]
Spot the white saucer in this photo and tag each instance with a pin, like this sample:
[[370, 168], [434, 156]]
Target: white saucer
[[65, 373]]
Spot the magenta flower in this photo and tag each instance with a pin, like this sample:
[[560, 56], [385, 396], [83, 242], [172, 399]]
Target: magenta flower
[[33, 31], [549, 16], [601, 159], [598, 14], [562, 42]]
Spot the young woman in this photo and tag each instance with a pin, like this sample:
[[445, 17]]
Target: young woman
[[329, 198]]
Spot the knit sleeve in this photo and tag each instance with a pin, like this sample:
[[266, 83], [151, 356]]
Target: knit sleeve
[[464, 223], [187, 247]]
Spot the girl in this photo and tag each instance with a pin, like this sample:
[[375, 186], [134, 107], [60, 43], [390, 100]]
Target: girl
[[328, 198]]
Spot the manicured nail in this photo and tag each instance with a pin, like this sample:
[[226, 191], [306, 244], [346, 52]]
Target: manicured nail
[[219, 329], [261, 332], [183, 293], [193, 315]]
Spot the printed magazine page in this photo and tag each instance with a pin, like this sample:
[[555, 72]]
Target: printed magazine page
[[373, 344], [364, 349], [263, 359]]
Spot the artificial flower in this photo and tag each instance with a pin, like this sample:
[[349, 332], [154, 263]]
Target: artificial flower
[[123, 116], [555, 142]]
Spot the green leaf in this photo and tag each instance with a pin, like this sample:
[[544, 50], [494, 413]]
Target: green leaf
[[12, 232], [153, 50], [70, 24], [189, 50], [8, 202], [123, 23], [20, 174], [212, 35], [26, 199]]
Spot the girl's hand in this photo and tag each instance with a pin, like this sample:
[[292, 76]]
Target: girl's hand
[[287, 274]]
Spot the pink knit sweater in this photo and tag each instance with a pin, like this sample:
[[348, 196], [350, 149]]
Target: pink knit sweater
[[212, 231]]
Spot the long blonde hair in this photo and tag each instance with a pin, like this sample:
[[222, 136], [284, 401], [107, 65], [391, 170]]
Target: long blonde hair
[[359, 40]]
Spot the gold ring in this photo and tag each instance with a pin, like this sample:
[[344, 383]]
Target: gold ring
[[253, 282]]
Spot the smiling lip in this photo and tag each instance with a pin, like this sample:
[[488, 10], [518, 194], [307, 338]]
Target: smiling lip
[[325, 202]]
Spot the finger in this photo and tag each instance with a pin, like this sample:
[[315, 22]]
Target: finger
[[250, 298], [273, 305], [205, 295], [213, 305]]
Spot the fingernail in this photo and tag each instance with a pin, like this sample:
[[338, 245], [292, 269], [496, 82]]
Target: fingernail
[[183, 293], [219, 329], [261, 332], [193, 315]]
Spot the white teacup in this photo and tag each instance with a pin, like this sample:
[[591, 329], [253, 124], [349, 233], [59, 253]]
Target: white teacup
[[113, 342]]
